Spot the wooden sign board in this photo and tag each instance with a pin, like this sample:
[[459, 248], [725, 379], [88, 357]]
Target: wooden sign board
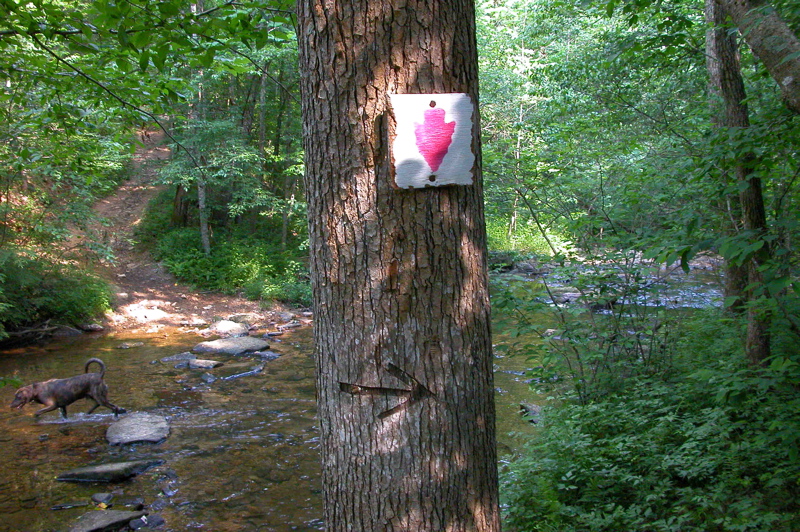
[[433, 140]]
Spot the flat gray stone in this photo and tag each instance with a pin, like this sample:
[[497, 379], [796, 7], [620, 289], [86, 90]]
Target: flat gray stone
[[138, 427], [247, 318], [231, 346], [199, 363], [179, 357], [113, 472], [266, 355], [229, 328], [105, 521]]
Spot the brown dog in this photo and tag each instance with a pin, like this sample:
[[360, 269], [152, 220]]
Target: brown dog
[[58, 393]]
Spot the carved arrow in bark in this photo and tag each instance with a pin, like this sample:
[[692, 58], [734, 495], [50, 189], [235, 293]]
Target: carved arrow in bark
[[417, 392]]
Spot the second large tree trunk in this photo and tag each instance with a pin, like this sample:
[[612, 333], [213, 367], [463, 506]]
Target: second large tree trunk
[[727, 85], [400, 287], [772, 41]]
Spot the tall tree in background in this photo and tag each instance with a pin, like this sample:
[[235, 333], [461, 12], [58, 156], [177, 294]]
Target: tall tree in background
[[728, 91], [400, 287]]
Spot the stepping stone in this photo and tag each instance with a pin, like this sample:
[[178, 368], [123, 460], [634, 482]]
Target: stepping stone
[[114, 472], [247, 318], [148, 522], [199, 363], [180, 357], [266, 355], [104, 521], [130, 345], [231, 346], [229, 328], [138, 427]]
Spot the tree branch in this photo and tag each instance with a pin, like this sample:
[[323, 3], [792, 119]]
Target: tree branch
[[115, 96]]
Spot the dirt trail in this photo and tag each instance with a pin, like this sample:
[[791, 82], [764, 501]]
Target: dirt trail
[[147, 297]]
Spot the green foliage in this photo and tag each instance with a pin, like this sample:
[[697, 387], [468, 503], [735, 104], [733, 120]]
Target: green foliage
[[526, 239], [156, 220], [34, 290], [262, 270], [709, 445], [582, 134], [53, 180], [233, 171], [8, 381], [613, 326]]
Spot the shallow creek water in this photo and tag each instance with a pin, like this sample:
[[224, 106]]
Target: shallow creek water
[[242, 453]]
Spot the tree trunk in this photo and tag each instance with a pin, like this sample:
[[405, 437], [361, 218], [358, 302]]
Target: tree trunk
[[404, 358], [180, 207], [727, 87], [772, 41], [728, 109], [262, 117], [205, 237]]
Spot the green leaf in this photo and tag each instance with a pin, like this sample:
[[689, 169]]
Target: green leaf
[[160, 57], [790, 57], [730, 301], [144, 60]]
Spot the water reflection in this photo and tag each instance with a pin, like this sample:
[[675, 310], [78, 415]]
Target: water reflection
[[242, 453]]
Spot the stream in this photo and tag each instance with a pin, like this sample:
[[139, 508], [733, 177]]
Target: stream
[[242, 453]]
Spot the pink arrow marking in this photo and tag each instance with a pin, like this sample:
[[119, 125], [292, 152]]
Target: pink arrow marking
[[434, 137]]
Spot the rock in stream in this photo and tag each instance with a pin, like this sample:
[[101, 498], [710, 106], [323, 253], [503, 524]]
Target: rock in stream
[[104, 521], [113, 472], [231, 346], [138, 427]]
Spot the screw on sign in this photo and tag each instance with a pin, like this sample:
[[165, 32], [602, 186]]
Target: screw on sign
[[433, 140]]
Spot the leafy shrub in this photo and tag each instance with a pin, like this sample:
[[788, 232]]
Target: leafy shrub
[[34, 290], [156, 221], [261, 270], [526, 238], [711, 445], [617, 328]]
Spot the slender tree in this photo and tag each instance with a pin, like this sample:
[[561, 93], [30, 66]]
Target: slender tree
[[400, 286]]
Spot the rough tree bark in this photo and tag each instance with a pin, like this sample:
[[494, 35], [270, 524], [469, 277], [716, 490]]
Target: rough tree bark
[[772, 41], [402, 328], [728, 101]]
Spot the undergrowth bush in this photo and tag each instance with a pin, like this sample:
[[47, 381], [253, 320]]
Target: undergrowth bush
[[708, 445], [262, 270], [34, 290], [527, 238]]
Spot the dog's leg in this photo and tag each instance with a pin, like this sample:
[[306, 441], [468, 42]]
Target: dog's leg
[[114, 408], [44, 410], [63, 411], [99, 395]]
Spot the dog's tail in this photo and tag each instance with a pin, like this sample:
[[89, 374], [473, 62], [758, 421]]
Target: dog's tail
[[98, 361]]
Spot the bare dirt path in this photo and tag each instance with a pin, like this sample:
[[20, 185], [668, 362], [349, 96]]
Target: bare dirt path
[[147, 296]]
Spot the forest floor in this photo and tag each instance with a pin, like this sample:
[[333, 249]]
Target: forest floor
[[147, 296]]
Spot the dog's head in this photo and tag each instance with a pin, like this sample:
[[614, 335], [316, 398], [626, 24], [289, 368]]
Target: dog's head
[[23, 396]]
